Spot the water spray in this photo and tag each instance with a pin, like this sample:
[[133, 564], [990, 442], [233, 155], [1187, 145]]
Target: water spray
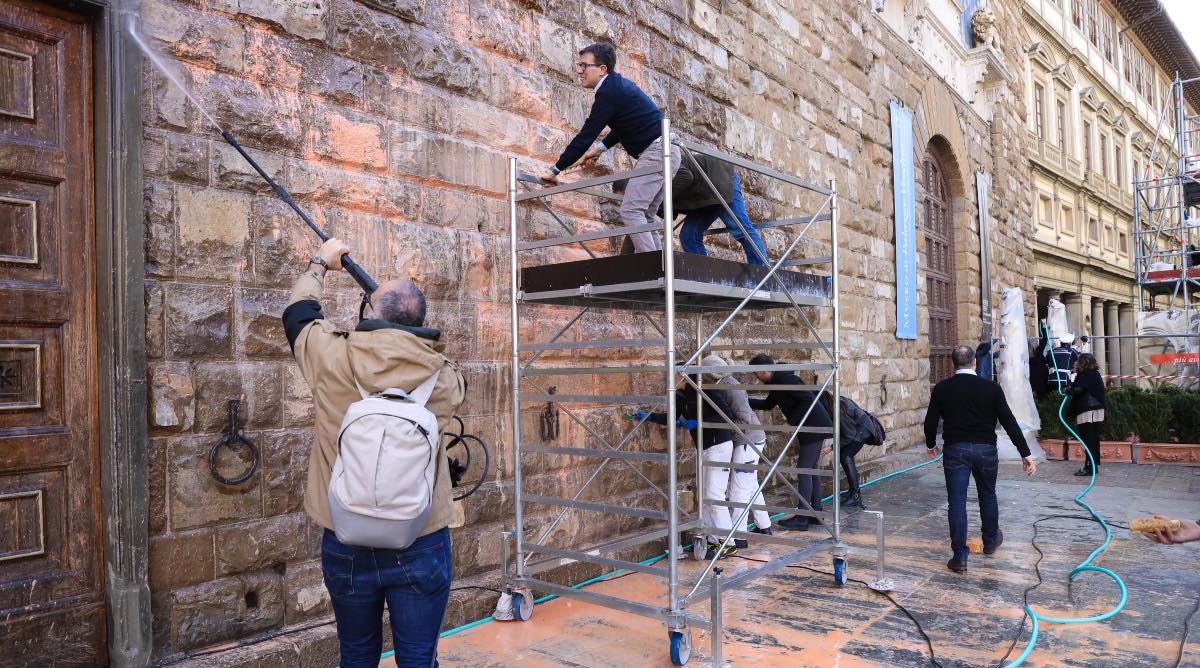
[[352, 268], [360, 276]]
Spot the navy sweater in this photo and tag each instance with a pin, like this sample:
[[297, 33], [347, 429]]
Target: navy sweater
[[633, 118]]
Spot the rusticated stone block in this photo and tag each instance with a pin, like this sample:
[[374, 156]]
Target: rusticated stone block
[[195, 36], [156, 479], [181, 559], [197, 320], [501, 26], [187, 159], [297, 398], [230, 169], [304, 591], [158, 207], [258, 385], [154, 319], [262, 544], [258, 115], [284, 470], [259, 328], [214, 232], [211, 612], [282, 243], [171, 396], [421, 153], [303, 18], [346, 137], [195, 498]]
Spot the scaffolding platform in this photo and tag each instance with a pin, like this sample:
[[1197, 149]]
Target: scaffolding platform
[[638, 282]]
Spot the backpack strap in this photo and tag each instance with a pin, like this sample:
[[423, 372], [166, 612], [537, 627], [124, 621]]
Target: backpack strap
[[418, 396]]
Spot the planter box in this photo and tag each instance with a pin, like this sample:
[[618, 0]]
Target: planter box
[[1056, 450], [1186, 454], [1110, 451]]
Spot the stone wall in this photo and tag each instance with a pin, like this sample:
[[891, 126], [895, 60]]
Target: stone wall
[[390, 121]]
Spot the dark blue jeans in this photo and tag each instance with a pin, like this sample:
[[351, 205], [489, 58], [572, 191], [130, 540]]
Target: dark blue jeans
[[415, 583], [691, 237], [961, 462]]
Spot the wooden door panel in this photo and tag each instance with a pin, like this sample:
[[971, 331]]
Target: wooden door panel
[[52, 609], [33, 105], [31, 381], [30, 218]]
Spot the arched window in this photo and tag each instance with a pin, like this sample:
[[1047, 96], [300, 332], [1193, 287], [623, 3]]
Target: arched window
[[939, 274]]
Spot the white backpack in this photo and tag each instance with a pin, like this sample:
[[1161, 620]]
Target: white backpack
[[382, 483]]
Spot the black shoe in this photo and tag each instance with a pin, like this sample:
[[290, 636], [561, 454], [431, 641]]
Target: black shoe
[[995, 546], [766, 531], [740, 543], [853, 501], [957, 566], [794, 523], [1085, 471]]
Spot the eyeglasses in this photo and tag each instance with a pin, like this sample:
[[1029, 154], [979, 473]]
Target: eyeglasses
[[580, 67]]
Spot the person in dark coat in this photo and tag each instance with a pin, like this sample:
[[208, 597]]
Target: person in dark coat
[[795, 404], [1039, 373], [1087, 405], [854, 432]]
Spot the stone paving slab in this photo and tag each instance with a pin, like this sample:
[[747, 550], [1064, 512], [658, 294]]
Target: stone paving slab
[[798, 618]]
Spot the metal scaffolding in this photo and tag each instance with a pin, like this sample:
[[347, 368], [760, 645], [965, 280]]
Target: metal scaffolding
[[1166, 208], [672, 290]]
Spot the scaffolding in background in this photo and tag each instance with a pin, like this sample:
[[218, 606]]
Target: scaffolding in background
[[1166, 225], [664, 286], [1166, 211]]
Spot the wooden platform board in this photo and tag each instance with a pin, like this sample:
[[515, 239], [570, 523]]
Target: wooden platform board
[[637, 281]]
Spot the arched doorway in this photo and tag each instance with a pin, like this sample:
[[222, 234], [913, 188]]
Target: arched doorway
[[939, 272]]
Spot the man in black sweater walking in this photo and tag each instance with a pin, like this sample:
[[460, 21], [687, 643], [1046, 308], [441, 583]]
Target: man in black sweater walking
[[969, 407], [635, 123]]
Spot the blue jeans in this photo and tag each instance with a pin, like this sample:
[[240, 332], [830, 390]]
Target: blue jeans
[[691, 237], [961, 462], [415, 583]]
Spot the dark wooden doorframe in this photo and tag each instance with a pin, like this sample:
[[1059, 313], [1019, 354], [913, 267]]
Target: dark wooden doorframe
[[939, 266], [120, 326]]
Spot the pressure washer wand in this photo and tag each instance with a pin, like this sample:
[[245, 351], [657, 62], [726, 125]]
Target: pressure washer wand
[[356, 272]]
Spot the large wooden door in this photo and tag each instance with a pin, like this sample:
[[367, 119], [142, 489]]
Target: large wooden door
[[939, 271], [52, 610]]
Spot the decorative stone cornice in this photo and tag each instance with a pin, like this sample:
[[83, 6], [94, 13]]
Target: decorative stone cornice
[[1088, 96]]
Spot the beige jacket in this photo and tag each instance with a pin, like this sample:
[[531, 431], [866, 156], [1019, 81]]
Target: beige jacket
[[379, 359]]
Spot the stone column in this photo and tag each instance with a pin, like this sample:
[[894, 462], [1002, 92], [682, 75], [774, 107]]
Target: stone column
[[1099, 329], [1126, 318], [1074, 303], [1113, 326]]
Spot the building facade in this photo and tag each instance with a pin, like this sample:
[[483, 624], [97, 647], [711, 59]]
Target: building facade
[[151, 297], [1097, 77]]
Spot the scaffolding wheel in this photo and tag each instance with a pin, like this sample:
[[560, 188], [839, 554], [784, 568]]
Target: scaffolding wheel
[[699, 548], [522, 605], [681, 645], [839, 571]]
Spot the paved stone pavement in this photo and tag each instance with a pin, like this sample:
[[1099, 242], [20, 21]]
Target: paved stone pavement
[[798, 618]]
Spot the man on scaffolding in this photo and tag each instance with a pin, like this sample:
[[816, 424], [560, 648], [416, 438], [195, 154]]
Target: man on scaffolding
[[635, 123]]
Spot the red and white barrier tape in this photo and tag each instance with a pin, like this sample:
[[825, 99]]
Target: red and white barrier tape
[[1171, 377]]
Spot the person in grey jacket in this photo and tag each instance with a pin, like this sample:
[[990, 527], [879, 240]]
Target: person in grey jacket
[[745, 451]]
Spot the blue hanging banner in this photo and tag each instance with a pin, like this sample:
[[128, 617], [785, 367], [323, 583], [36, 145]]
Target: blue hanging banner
[[905, 200]]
